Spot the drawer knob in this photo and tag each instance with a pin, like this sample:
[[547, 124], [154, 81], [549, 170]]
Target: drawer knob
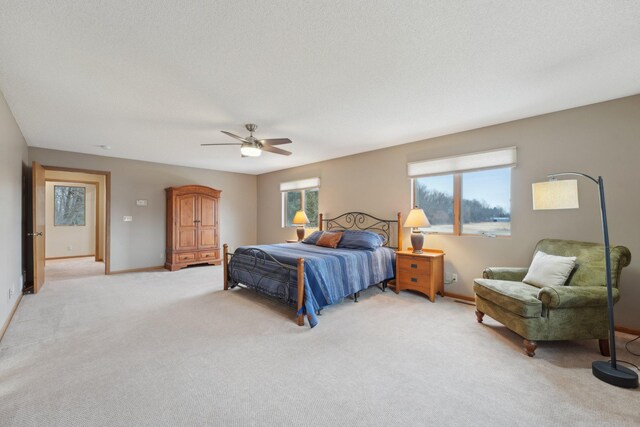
[[414, 280], [414, 265]]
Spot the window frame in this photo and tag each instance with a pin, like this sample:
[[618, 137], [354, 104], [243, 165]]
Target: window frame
[[302, 205], [457, 205]]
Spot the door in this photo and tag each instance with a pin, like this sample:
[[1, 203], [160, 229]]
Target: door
[[38, 219], [186, 214], [208, 220]]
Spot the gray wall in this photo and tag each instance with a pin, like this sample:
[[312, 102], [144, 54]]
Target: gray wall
[[141, 243], [600, 139], [13, 153]]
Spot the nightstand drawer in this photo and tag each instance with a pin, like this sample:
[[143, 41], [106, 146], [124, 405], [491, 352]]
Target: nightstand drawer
[[413, 280], [413, 265]]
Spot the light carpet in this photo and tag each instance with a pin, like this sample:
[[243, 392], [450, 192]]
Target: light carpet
[[72, 268], [165, 349]]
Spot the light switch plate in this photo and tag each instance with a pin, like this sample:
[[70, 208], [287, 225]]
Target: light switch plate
[[141, 202], [127, 218]]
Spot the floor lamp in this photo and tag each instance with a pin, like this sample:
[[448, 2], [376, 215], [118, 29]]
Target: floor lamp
[[564, 195]]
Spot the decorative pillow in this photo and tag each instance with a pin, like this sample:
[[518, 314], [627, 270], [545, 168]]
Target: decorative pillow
[[361, 239], [329, 240], [312, 238], [549, 270]]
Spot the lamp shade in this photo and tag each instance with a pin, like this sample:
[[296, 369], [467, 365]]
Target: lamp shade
[[250, 150], [300, 218], [562, 194], [416, 219]]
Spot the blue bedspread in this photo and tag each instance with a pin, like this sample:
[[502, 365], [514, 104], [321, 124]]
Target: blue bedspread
[[330, 274]]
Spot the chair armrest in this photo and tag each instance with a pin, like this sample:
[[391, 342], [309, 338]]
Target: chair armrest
[[576, 296], [514, 274]]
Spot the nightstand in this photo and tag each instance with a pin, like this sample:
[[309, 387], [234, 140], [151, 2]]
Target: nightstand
[[421, 272]]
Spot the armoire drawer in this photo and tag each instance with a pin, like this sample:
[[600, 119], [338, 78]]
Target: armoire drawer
[[209, 255], [184, 257]]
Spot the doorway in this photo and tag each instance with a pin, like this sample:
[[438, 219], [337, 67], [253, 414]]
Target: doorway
[[70, 224]]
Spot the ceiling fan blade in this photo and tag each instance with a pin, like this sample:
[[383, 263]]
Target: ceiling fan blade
[[224, 143], [234, 136], [276, 150], [275, 141]]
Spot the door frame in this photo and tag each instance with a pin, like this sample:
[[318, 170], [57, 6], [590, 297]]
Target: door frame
[[98, 241], [107, 216]]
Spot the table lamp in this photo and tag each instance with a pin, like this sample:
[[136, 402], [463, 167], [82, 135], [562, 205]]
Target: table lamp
[[300, 219], [417, 219], [564, 195]]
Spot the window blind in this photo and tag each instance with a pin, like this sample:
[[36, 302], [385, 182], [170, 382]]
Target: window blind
[[504, 157], [301, 184]]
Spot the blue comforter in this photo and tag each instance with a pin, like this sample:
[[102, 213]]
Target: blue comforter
[[331, 274]]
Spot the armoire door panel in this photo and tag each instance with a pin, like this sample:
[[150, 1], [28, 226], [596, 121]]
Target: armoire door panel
[[187, 239], [208, 211], [187, 210], [207, 239], [207, 225]]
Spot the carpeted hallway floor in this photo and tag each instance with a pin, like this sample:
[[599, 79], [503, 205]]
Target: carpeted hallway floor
[[165, 349], [72, 268]]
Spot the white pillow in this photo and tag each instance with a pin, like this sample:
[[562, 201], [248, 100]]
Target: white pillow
[[549, 270]]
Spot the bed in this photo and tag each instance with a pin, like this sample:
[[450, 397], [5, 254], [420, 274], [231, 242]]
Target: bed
[[311, 277]]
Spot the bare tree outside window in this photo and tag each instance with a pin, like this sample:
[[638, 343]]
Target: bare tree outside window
[[69, 205]]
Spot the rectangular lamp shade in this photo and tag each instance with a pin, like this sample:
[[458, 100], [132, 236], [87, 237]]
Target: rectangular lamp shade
[[417, 219], [555, 194], [300, 218]]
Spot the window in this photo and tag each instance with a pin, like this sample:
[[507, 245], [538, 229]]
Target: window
[[486, 202], [68, 205], [295, 200], [434, 194], [298, 195], [473, 199]]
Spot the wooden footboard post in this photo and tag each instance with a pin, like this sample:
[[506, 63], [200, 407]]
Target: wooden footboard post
[[300, 291], [225, 267], [399, 231]]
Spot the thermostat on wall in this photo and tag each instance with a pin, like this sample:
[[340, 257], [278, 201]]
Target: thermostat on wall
[[141, 202]]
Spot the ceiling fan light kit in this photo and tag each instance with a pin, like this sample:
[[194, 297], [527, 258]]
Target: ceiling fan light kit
[[250, 150], [252, 147]]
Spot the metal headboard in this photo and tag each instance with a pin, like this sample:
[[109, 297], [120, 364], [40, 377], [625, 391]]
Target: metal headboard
[[364, 221]]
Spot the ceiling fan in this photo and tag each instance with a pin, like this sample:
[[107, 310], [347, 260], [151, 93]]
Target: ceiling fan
[[253, 147]]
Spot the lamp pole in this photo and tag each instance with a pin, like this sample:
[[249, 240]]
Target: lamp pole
[[608, 372]]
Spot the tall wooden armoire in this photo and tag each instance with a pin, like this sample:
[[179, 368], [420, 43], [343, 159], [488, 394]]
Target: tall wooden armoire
[[193, 232]]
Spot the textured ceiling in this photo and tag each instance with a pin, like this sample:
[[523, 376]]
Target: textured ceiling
[[154, 79]]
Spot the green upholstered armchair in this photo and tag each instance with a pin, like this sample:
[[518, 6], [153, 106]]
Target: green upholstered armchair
[[575, 311]]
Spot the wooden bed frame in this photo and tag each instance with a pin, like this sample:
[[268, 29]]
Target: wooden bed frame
[[347, 221]]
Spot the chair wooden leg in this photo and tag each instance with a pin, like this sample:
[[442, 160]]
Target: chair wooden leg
[[479, 316], [604, 347], [530, 347]]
